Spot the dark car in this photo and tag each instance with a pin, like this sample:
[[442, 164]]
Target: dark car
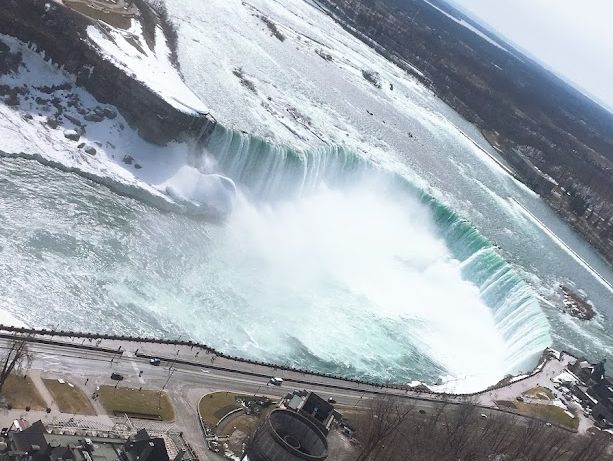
[[331, 400], [155, 362], [116, 377]]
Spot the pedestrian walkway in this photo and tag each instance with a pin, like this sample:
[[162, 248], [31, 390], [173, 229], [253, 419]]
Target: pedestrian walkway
[[43, 391]]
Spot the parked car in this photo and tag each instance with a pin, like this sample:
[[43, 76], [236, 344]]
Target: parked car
[[116, 377], [331, 400], [276, 381], [155, 362]]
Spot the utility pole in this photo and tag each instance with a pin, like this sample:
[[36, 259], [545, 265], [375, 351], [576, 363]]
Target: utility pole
[[171, 371]]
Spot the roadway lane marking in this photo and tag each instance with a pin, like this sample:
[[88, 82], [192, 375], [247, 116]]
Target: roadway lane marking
[[140, 378]]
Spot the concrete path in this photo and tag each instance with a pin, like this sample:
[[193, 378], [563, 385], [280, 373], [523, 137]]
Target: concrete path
[[43, 391]]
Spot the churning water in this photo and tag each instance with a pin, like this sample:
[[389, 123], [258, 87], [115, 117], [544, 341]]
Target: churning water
[[327, 262]]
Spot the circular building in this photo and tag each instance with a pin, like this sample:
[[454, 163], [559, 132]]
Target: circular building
[[287, 436]]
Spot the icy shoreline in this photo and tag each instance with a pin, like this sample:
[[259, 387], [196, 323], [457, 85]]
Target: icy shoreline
[[47, 117]]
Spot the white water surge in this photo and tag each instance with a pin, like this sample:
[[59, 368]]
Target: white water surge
[[343, 253], [355, 277], [360, 280]]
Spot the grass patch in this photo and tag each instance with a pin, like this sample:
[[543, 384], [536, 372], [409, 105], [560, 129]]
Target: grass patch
[[551, 413], [539, 392], [145, 403], [21, 392], [69, 399], [505, 404], [215, 406]]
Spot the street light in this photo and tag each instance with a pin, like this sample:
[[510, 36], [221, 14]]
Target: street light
[[170, 373]]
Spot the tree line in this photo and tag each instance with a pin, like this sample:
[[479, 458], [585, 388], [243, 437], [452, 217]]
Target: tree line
[[392, 429]]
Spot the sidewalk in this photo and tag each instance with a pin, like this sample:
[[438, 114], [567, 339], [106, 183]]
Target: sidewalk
[[43, 391]]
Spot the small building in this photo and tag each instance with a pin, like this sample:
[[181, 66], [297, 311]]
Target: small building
[[603, 412], [36, 444], [596, 390], [142, 447], [603, 389], [582, 369], [309, 404]]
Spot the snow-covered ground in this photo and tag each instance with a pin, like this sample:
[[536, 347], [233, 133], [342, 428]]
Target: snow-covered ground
[[51, 119], [129, 51], [287, 72]]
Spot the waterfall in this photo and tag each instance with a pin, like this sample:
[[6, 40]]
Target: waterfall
[[271, 172]]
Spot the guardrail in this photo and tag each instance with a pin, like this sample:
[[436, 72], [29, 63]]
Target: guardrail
[[31, 332]]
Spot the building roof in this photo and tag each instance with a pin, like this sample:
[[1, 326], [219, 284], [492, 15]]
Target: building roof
[[317, 407], [40, 445], [142, 447], [31, 439]]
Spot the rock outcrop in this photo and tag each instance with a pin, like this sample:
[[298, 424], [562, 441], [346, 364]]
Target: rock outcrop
[[61, 34]]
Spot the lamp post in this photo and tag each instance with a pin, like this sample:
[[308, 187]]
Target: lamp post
[[170, 373]]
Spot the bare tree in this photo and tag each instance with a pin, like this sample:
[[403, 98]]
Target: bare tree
[[383, 418], [451, 432], [591, 448], [16, 357]]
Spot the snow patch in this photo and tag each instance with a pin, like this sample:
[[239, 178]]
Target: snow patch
[[129, 51]]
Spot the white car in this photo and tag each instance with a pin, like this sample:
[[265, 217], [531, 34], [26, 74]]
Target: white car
[[276, 381]]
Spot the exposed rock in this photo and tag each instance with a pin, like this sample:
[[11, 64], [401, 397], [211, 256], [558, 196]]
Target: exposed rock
[[53, 88], [74, 120], [62, 34], [9, 62], [81, 146], [94, 117], [110, 113], [372, 77], [128, 160], [12, 100], [137, 166], [72, 135], [91, 150], [52, 122], [576, 305]]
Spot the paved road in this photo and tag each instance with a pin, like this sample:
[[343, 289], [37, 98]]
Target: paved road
[[185, 382]]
